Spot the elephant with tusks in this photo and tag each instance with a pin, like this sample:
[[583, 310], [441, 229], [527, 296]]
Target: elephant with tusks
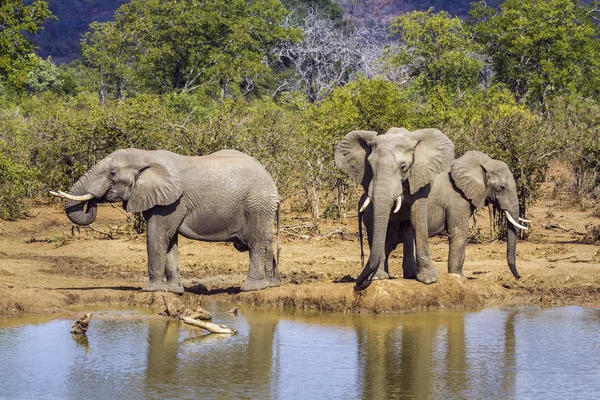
[[471, 181], [226, 196], [395, 170]]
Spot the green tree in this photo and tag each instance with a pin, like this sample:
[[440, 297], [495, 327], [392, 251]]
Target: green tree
[[540, 49], [370, 104], [17, 19], [435, 49], [43, 77], [105, 48], [181, 45], [493, 122]]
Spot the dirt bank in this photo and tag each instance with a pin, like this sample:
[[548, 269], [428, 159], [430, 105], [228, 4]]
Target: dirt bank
[[46, 266]]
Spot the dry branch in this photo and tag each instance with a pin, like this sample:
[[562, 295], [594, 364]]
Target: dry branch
[[209, 326], [552, 225]]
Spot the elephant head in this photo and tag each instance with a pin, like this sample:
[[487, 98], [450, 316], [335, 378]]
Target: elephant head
[[387, 165], [138, 178], [484, 180]]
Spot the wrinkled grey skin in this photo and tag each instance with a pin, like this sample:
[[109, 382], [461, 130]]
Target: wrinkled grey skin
[[471, 182], [225, 196], [397, 163]]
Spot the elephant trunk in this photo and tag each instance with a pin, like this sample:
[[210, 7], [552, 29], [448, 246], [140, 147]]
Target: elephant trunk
[[81, 213], [382, 205], [511, 241]]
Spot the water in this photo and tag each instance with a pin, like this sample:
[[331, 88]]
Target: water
[[502, 353]]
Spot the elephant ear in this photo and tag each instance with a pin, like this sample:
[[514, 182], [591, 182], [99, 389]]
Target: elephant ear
[[156, 185], [433, 153], [468, 173], [351, 155]]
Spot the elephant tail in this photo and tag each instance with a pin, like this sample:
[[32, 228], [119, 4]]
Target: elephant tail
[[278, 233]]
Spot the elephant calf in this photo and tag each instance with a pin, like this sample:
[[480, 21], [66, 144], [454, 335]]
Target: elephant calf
[[224, 196]]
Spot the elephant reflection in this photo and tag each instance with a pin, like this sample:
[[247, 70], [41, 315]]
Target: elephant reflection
[[417, 356], [212, 368]]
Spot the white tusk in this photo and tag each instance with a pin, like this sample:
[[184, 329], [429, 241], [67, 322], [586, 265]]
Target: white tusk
[[85, 197], [512, 221], [365, 204], [398, 204], [524, 220]]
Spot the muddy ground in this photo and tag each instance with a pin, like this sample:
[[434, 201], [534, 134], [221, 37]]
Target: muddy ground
[[47, 266]]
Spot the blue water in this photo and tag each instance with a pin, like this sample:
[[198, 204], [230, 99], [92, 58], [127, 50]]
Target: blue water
[[507, 353]]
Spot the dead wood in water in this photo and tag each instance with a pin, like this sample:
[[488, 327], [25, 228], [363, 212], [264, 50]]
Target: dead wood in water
[[195, 318], [209, 326], [199, 313]]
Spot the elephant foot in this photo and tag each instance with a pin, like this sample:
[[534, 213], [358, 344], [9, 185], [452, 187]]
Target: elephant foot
[[427, 276], [251, 284], [158, 286], [275, 281], [380, 274], [459, 275]]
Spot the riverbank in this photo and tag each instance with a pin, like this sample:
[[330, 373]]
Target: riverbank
[[48, 266]]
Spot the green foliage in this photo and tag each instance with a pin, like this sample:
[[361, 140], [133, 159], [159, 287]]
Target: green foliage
[[17, 180], [44, 76], [182, 45], [436, 49], [579, 121], [104, 47], [541, 49], [16, 19], [370, 104], [494, 123]]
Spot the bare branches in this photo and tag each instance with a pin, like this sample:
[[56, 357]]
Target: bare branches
[[328, 56]]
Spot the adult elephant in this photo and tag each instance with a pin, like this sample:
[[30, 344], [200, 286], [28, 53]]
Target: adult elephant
[[395, 170], [224, 196], [472, 181]]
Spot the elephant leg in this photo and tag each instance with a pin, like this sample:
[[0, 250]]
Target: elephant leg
[[159, 240], [257, 278], [457, 236], [409, 263], [272, 269], [172, 267], [418, 219]]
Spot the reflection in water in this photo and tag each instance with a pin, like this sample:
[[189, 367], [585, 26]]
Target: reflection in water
[[493, 353], [412, 355]]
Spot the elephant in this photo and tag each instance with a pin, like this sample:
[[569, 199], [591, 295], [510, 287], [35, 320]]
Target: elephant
[[472, 181], [226, 196], [395, 170]]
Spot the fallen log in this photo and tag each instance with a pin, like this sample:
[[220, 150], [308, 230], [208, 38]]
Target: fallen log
[[209, 326]]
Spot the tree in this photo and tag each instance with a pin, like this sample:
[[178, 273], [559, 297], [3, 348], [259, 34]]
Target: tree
[[105, 48], [43, 77], [435, 49], [540, 48], [180, 45], [328, 56], [16, 19]]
